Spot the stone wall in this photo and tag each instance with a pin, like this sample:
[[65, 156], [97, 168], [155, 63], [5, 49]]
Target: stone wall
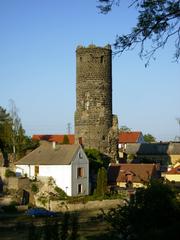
[[91, 205], [93, 116]]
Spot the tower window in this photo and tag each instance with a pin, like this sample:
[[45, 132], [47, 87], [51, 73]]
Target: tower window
[[102, 59], [87, 105], [80, 59]]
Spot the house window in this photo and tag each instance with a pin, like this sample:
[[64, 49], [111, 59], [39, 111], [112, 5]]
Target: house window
[[80, 155], [80, 188], [80, 172], [36, 170]]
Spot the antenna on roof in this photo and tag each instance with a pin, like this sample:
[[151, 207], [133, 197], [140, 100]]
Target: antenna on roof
[[69, 128]]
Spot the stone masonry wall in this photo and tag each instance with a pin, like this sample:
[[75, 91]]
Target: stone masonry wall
[[93, 116]]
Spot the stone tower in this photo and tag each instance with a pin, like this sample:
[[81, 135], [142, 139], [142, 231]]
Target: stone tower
[[93, 116]]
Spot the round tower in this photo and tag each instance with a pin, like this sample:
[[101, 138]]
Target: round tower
[[93, 116]]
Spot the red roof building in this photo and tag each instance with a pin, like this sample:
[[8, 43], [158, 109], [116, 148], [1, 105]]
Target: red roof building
[[130, 137], [175, 170], [137, 174], [54, 138]]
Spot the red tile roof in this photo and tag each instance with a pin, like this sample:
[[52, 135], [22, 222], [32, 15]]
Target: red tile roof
[[140, 172], [55, 138], [129, 137], [175, 170]]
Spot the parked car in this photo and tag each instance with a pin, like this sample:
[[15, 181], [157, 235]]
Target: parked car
[[40, 212]]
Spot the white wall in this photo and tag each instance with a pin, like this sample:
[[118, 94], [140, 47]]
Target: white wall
[[60, 173]]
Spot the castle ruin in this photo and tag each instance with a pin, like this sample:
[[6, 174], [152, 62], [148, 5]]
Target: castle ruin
[[95, 126]]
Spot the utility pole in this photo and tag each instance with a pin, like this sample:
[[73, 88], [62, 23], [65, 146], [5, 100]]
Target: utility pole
[[178, 121], [69, 128]]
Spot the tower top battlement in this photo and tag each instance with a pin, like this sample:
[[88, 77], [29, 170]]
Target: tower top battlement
[[108, 46]]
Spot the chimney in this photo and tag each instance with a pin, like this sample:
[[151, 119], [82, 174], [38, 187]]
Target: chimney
[[54, 145]]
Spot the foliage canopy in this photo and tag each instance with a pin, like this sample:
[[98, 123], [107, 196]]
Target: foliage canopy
[[12, 135], [149, 138], [96, 159], [158, 21], [124, 128], [153, 213]]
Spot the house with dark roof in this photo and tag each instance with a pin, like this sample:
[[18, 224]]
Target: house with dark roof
[[165, 153], [67, 164], [133, 175]]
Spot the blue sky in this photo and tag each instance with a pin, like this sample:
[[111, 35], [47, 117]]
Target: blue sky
[[38, 39]]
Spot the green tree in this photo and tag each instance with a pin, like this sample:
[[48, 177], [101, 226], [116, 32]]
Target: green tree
[[124, 128], [65, 140], [101, 188], [149, 138], [5, 129], [12, 135], [5, 134], [96, 160], [157, 21], [153, 213]]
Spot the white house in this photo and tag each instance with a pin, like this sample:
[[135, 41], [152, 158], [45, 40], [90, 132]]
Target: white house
[[67, 164]]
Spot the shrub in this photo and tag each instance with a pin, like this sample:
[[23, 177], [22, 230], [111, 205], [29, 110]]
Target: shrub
[[61, 194], [9, 173], [34, 188]]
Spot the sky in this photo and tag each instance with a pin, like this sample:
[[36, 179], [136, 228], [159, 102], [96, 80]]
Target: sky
[[38, 41]]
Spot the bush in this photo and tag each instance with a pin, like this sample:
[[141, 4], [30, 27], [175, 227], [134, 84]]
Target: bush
[[34, 188], [61, 194], [74, 200], [9, 173]]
